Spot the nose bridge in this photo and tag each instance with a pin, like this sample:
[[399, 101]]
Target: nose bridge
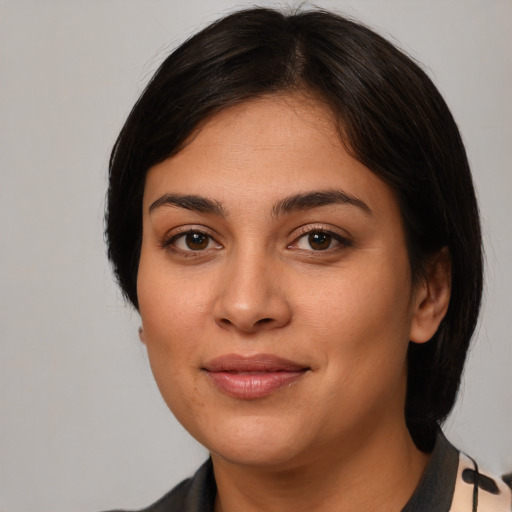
[[251, 295]]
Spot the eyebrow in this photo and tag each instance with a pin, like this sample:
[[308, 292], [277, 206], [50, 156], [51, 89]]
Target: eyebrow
[[296, 202], [192, 202], [310, 200]]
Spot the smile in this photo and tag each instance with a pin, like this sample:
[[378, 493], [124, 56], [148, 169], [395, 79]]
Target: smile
[[249, 378]]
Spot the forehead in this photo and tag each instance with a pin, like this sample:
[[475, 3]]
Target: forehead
[[267, 123], [266, 148]]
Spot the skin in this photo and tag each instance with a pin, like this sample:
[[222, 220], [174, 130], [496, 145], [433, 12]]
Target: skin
[[258, 283]]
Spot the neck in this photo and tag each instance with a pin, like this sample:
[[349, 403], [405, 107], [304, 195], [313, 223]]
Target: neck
[[380, 472]]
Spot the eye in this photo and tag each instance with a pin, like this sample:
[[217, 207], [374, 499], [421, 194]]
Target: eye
[[319, 240], [191, 241]]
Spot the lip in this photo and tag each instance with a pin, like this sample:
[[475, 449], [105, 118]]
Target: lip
[[252, 377]]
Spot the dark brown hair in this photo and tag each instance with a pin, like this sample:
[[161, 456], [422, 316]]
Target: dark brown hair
[[391, 118]]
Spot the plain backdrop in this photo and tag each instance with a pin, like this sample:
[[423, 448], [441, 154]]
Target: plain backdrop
[[82, 425]]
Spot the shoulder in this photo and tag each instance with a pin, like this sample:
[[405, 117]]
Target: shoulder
[[453, 482], [478, 490]]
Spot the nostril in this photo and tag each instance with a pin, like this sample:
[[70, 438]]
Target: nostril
[[264, 321]]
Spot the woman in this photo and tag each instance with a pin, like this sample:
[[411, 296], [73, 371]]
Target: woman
[[291, 211]]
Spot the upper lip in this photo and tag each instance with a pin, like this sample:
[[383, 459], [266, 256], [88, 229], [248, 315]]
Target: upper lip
[[253, 363]]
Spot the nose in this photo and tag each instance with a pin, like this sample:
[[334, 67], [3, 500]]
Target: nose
[[252, 297]]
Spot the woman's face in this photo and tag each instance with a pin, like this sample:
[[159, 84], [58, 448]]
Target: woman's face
[[274, 287]]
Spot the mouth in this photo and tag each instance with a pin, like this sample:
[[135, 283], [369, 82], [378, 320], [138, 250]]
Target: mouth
[[249, 378]]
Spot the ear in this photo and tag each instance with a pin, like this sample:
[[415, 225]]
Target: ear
[[432, 297], [141, 335]]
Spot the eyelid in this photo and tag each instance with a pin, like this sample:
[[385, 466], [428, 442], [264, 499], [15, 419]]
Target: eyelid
[[324, 228], [344, 238], [341, 236], [172, 235]]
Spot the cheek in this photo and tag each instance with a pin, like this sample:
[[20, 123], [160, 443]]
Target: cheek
[[168, 301], [361, 321], [172, 313], [174, 326], [359, 300]]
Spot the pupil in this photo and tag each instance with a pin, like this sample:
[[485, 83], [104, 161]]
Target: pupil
[[319, 241], [196, 241]]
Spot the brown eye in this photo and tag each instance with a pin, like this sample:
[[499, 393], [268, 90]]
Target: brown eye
[[191, 243], [197, 241], [319, 241]]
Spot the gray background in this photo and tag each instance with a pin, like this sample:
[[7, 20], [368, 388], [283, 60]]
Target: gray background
[[82, 425]]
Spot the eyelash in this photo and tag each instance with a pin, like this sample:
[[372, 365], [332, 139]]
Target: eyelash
[[170, 241], [306, 231], [342, 242]]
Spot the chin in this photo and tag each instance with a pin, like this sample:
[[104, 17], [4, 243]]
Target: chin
[[257, 443], [256, 455]]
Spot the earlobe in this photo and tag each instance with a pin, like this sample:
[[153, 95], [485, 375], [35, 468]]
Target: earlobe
[[141, 335], [432, 297]]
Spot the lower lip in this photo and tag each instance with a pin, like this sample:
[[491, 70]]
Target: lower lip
[[249, 386]]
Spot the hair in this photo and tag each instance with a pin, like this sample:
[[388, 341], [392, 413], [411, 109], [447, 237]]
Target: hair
[[391, 118]]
